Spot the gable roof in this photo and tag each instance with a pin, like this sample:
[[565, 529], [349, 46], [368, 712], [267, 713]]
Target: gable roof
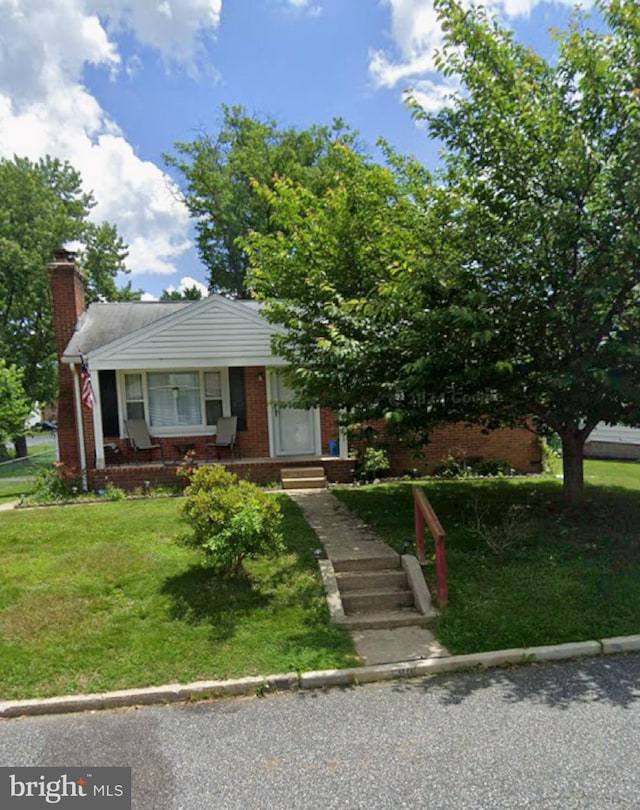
[[103, 323], [214, 331]]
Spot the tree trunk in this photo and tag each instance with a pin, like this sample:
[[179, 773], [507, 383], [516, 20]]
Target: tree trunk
[[20, 444], [572, 466]]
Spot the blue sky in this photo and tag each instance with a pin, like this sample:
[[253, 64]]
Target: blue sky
[[111, 84]]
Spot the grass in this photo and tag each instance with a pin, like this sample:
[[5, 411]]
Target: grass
[[613, 473], [11, 490], [38, 457], [568, 575], [16, 476], [101, 597]]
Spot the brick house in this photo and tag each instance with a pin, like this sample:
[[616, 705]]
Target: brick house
[[182, 364]]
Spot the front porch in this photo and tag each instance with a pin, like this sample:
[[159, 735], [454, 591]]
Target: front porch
[[132, 474]]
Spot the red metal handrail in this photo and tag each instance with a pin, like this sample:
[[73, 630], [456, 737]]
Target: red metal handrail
[[425, 514]]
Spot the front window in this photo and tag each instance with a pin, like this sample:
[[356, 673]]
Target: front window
[[174, 399], [134, 395], [213, 396]]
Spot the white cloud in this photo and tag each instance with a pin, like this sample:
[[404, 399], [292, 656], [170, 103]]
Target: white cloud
[[186, 282], [429, 94], [313, 9], [171, 26], [45, 109], [415, 35]]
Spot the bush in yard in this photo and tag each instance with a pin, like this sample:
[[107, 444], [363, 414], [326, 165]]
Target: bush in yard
[[230, 519]]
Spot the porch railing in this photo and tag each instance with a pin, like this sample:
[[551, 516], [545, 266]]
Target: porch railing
[[424, 514]]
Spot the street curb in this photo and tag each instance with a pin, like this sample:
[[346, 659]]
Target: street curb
[[261, 685]]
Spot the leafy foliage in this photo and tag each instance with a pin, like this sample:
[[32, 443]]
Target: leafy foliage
[[102, 258], [231, 520], [14, 407], [54, 484], [188, 294], [219, 172], [505, 289], [43, 206]]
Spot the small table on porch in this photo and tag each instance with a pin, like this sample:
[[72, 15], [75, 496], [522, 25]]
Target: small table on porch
[[182, 448], [112, 454]]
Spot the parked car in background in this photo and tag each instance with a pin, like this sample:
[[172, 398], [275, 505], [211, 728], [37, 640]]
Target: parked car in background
[[45, 427]]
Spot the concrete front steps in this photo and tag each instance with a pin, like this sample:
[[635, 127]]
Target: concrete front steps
[[376, 596], [303, 478]]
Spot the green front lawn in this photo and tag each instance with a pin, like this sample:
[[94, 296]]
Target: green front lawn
[[11, 490], [612, 473], [567, 577], [39, 456], [96, 597]]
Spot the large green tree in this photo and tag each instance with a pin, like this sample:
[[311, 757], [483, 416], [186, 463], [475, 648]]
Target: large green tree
[[14, 406], [218, 173], [102, 258], [516, 295], [42, 206]]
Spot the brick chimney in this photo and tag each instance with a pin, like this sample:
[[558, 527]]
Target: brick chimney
[[67, 299]]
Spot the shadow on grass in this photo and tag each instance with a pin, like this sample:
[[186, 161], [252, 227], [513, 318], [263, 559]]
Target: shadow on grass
[[610, 680], [200, 596]]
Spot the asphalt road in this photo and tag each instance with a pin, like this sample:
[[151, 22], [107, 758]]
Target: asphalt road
[[541, 736]]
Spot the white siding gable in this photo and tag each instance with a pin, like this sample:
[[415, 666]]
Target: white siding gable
[[210, 333]]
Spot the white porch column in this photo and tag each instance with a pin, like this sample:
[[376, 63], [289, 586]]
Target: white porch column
[[79, 426], [98, 433]]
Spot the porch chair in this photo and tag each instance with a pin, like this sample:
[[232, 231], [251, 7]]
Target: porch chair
[[225, 436], [139, 438]]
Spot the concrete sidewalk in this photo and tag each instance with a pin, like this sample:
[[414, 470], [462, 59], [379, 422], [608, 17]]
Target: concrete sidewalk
[[346, 538], [8, 505]]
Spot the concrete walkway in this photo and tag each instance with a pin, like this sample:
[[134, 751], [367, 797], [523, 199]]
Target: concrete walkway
[[346, 537]]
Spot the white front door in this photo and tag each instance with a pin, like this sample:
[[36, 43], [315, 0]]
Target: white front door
[[295, 431]]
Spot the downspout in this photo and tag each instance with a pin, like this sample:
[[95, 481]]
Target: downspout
[[80, 427]]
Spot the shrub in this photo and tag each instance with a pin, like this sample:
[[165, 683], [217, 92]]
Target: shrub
[[492, 466], [453, 466], [55, 483], [371, 462], [186, 468], [230, 519], [459, 466], [114, 493]]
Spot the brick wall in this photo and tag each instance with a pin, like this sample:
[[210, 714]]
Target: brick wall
[[254, 441], [328, 428], [518, 446], [67, 300], [131, 476]]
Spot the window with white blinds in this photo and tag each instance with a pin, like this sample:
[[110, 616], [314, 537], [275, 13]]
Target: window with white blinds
[[176, 399]]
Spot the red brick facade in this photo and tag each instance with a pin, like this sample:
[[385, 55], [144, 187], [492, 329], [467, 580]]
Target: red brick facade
[[518, 447], [67, 298]]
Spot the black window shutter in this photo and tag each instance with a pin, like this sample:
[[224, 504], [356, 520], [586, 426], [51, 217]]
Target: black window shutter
[[109, 403], [238, 399]]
